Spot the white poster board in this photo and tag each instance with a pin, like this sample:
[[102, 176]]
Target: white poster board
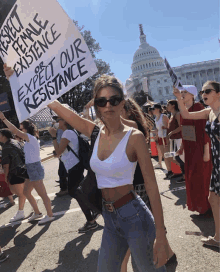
[[47, 52], [176, 82]]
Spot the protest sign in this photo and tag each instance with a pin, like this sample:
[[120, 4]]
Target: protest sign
[[176, 82], [47, 52], [4, 104]]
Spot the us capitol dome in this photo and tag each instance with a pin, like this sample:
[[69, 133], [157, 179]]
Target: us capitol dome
[[146, 58], [150, 74]]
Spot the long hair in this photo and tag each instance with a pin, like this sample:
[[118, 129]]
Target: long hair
[[103, 82], [174, 103], [7, 133], [136, 114], [215, 85], [31, 128]]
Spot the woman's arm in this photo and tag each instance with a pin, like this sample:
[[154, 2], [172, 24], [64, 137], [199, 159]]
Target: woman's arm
[[80, 124], [8, 71], [177, 116], [147, 170], [13, 128], [165, 122], [180, 150], [59, 148], [196, 115]]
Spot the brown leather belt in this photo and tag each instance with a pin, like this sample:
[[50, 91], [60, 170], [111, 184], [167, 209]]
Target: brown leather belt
[[119, 203]]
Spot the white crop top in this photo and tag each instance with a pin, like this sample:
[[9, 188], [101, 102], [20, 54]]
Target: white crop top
[[116, 170]]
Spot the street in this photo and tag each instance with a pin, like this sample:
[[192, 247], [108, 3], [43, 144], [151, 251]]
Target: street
[[59, 247]]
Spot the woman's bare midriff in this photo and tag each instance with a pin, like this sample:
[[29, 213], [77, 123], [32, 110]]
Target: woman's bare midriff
[[113, 194]]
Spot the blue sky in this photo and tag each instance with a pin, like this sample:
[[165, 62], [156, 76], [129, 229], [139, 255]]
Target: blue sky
[[182, 31]]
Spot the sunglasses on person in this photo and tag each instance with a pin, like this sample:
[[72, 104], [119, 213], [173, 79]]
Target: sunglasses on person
[[102, 101], [58, 119], [207, 91]]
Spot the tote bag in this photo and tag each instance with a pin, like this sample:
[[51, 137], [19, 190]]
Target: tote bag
[[88, 188]]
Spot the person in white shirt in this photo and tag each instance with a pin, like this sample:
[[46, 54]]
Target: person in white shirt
[[28, 132], [62, 173], [74, 167]]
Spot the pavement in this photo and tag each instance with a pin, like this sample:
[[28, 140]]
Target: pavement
[[59, 247], [46, 151]]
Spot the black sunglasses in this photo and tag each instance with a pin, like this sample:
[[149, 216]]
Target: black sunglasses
[[102, 101], [208, 91]]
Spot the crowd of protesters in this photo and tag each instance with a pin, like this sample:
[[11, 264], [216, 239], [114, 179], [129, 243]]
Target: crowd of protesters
[[186, 134]]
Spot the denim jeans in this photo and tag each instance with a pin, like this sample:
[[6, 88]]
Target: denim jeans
[[130, 226]]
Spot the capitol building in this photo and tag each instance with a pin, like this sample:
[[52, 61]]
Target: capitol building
[[150, 74]]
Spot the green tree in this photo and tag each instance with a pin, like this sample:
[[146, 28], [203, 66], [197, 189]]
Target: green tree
[[81, 94]]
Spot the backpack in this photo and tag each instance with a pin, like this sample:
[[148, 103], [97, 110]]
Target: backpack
[[84, 148]]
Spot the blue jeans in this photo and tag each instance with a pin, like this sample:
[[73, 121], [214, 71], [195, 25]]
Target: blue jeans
[[130, 226]]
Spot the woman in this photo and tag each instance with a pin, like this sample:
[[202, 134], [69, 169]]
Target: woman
[[4, 187], [195, 141], [28, 132], [116, 184], [133, 112], [211, 96], [174, 134], [161, 122], [69, 141], [129, 210], [11, 159]]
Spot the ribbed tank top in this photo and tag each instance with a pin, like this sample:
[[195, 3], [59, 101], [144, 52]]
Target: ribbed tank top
[[116, 170]]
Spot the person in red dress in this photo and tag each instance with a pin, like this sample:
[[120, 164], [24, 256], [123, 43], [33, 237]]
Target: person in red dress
[[198, 165]]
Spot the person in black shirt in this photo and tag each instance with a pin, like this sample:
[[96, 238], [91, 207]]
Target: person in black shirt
[[10, 160]]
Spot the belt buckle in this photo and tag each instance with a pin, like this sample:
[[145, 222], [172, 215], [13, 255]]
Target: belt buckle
[[109, 207]]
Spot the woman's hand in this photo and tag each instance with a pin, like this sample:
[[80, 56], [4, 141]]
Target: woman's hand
[[177, 93], [89, 104], [6, 179], [169, 135], [179, 152], [8, 71], [206, 155], [161, 251], [52, 131], [155, 138], [2, 115]]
